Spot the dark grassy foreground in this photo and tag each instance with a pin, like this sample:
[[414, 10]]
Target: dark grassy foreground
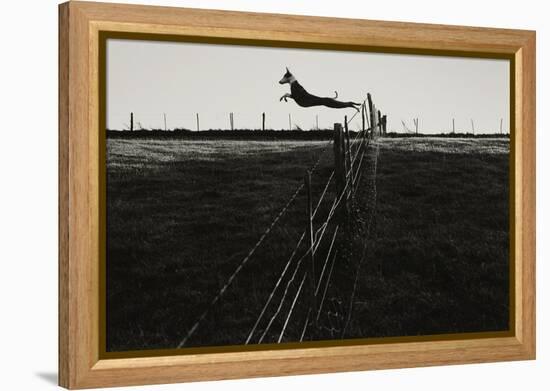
[[438, 256], [183, 213]]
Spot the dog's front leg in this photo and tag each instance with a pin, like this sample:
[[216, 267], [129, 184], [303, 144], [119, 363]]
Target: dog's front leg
[[285, 96]]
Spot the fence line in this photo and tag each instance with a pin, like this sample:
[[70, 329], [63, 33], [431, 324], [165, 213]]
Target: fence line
[[313, 248], [349, 158], [286, 267], [365, 247], [351, 178], [287, 264], [348, 161]]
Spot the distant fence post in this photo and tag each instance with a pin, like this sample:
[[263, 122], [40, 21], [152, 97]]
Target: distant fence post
[[309, 211], [263, 121], [384, 123], [289, 122], [131, 121], [198, 124]]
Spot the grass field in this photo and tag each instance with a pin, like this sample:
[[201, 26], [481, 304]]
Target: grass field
[[438, 259], [183, 213]]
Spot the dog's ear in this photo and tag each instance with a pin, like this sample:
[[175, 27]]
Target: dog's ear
[[287, 70]]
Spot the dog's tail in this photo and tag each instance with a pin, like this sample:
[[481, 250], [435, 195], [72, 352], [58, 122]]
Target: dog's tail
[[335, 95]]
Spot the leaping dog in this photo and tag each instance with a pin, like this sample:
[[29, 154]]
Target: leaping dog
[[305, 99]]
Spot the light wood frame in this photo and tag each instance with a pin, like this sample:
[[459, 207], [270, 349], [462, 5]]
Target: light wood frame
[[80, 365]]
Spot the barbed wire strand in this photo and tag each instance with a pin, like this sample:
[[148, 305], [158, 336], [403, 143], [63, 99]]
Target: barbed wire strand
[[327, 284], [322, 195], [305, 325], [292, 308], [326, 260], [283, 297], [272, 294]]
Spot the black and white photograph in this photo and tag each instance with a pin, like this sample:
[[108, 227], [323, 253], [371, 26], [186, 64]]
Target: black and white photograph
[[275, 195], [262, 195]]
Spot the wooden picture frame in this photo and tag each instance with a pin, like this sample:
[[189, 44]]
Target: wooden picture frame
[[80, 220]]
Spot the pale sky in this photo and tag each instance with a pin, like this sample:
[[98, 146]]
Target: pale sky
[[181, 79]]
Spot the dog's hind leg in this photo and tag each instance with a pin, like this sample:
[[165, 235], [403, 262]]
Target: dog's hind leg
[[336, 104]]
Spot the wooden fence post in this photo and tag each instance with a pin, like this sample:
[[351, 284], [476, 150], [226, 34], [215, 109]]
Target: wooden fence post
[[371, 113], [338, 166], [374, 120], [131, 121], [198, 124], [263, 121], [363, 119], [349, 168], [384, 123], [376, 125], [311, 241], [378, 122]]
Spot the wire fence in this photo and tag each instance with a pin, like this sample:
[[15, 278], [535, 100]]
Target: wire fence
[[299, 305]]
